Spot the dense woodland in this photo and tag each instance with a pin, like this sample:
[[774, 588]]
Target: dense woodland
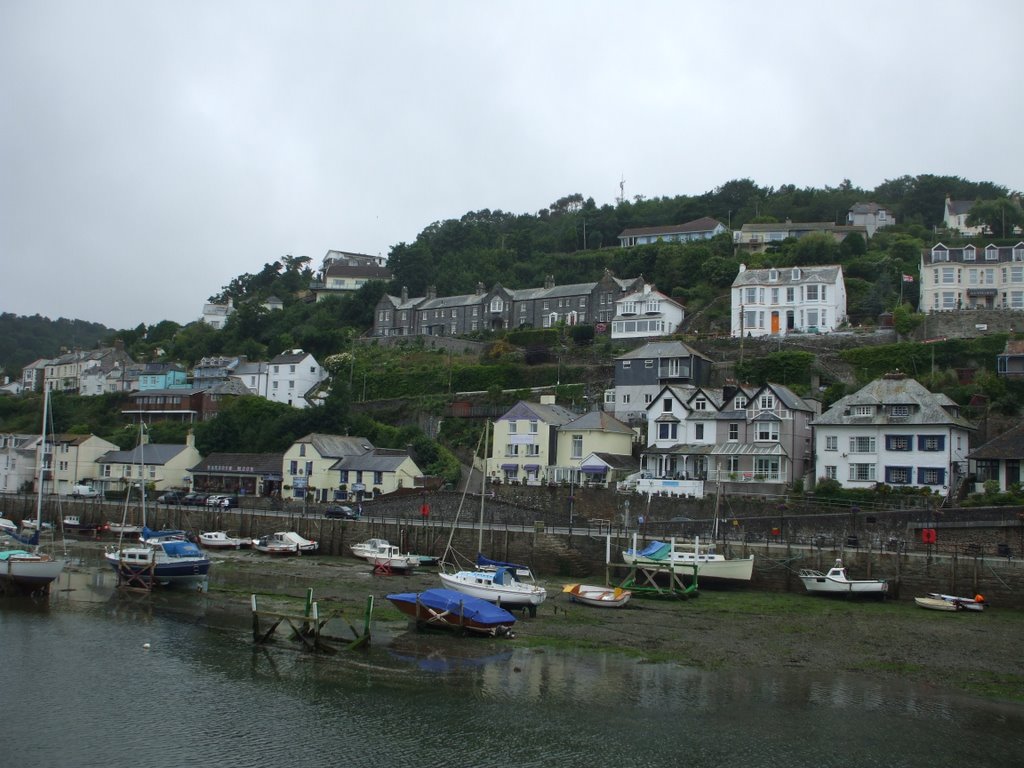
[[574, 240]]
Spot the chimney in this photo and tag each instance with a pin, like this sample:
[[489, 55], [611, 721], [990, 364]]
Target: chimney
[[405, 294], [190, 439], [431, 291], [728, 390], [743, 268], [549, 282], [547, 399]]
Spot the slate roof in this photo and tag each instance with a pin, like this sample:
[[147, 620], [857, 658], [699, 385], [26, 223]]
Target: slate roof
[[337, 446], [291, 356], [661, 349], [377, 460], [553, 415], [615, 460], [600, 420], [1009, 445], [894, 389], [241, 464], [703, 224], [824, 274], [156, 454]]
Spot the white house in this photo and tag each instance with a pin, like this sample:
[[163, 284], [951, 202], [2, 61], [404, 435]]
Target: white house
[[646, 313], [871, 216], [972, 277], [954, 217], [216, 315], [18, 457], [294, 376], [892, 431], [699, 229], [782, 300]]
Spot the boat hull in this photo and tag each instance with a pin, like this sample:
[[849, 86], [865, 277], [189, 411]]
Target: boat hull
[[29, 572], [599, 597], [480, 584], [836, 582], [451, 610], [936, 604], [147, 566]]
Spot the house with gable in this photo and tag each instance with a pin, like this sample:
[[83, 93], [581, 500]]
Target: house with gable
[[893, 431], [254, 376], [293, 378], [160, 466], [216, 315], [641, 374], [245, 474], [704, 228], [871, 216], [524, 442], [33, 375], [18, 457], [375, 473], [758, 238], [954, 217], [783, 300], [593, 449], [73, 461], [754, 440], [646, 313], [307, 464]]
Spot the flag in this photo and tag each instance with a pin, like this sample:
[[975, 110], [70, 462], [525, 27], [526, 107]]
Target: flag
[[908, 278]]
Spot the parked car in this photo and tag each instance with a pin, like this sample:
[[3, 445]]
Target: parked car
[[172, 497], [84, 492], [341, 511], [214, 499], [194, 499], [227, 502]]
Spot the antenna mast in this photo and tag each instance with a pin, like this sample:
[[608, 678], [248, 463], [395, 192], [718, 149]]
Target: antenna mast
[[622, 190]]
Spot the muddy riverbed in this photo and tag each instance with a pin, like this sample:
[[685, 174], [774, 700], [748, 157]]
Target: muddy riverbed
[[732, 630]]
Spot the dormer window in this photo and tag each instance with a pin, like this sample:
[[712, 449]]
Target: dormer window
[[991, 253], [700, 404], [863, 410], [969, 253], [740, 402], [900, 411], [940, 253], [773, 275], [796, 273], [1018, 252]]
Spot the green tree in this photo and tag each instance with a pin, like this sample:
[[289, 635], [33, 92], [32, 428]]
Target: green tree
[[1000, 216]]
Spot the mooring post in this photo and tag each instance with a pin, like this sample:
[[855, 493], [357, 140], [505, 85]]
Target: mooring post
[[255, 619]]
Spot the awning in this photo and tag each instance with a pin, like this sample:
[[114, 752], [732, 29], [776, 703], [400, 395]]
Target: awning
[[510, 467], [594, 470], [982, 292], [531, 467]]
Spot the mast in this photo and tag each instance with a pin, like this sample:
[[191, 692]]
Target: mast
[[483, 488], [42, 464]]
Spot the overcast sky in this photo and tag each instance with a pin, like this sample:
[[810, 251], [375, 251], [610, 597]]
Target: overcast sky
[[152, 151]]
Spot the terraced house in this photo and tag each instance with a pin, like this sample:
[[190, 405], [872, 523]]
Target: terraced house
[[502, 308], [969, 277]]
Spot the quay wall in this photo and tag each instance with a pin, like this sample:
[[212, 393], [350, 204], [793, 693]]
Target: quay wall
[[976, 550]]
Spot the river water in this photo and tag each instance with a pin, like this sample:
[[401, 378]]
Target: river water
[[80, 687]]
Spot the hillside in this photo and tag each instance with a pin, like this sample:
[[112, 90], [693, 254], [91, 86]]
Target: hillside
[[24, 339]]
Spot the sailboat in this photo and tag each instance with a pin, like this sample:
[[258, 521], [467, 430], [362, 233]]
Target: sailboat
[[30, 570], [493, 581], [157, 560]]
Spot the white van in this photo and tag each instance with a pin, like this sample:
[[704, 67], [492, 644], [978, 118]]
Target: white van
[[84, 491]]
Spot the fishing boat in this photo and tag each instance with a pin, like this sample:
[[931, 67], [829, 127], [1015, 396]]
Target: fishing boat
[[221, 540], [158, 558], [976, 603], [837, 581], [284, 543], [120, 529], [937, 604], [75, 523], [600, 597], [710, 564], [453, 610], [28, 569], [393, 561]]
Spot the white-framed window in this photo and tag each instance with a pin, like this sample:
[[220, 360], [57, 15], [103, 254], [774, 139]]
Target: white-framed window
[[863, 410], [513, 427], [700, 404], [512, 449], [577, 446], [533, 449], [734, 433], [668, 431], [812, 293], [768, 430], [830, 472], [991, 253], [534, 427], [862, 473], [831, 442], [900, 411], [767, 402], [862, 444], [969, 253]]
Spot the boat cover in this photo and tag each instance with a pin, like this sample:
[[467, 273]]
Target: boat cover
[[148, 534], [656, 550], [8, 553], [181, 549], [472, 608], [30, 541]]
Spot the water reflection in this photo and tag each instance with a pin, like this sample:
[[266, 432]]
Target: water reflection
[[175, 674]]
